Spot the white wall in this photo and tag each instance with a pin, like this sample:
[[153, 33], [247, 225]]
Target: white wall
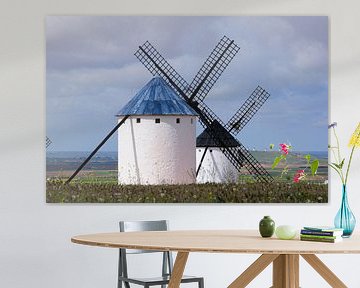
[[35, 248]]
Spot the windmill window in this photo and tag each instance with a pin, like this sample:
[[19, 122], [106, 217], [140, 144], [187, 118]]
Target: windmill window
[[157, 120], [138, 120], [191, 120], [177, 120], [210, 150]]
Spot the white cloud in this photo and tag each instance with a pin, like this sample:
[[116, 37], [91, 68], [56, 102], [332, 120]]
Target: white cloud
[[91, 66]]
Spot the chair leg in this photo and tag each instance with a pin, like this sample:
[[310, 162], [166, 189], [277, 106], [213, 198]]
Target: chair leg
[[120, 270], [119, 284], [201, 283], [126, 284]]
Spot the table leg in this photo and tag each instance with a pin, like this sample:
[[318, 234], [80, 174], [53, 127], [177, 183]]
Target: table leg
[[178, 270], [253, 270], [324, 271], [293, 261], [286, 271]]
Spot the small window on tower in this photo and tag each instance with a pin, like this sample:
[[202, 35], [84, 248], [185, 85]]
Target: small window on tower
[[138, 120], [191, 121], [210, 150], [177, 120], [157, 120]]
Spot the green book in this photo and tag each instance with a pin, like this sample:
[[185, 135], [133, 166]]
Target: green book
[[323, 228], [321, 239], [318, 236]]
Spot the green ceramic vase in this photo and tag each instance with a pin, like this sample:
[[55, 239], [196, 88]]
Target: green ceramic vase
[[266, 227]]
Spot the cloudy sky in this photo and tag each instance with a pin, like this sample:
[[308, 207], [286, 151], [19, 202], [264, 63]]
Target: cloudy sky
[[91, 72]]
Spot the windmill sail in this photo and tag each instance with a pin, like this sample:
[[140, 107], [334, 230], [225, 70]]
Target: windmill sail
[[247, 110], [212, 69], [48, 142], [157, 65], [237, 154]]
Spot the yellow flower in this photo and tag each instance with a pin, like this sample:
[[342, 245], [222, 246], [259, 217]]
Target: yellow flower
[[355, 137]]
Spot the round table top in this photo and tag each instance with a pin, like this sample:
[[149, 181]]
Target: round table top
[[217, 241]]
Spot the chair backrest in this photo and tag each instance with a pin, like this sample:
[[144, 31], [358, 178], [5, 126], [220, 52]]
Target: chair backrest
[[134, 226]]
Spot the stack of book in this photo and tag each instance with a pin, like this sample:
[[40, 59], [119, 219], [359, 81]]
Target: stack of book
[[321, 234]]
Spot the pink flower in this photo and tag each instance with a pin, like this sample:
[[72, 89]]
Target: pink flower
[[300, 174], [284, 148]]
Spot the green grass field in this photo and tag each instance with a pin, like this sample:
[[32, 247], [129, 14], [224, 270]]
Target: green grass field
[[97, 183], [106, 192]]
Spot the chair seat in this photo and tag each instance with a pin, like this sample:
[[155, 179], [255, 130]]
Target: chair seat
[[158, 280]]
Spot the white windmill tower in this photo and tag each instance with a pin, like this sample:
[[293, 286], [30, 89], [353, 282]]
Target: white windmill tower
[[157, 140], [213, 165]]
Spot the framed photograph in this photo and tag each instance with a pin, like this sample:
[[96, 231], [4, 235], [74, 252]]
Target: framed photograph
[[187, 109]]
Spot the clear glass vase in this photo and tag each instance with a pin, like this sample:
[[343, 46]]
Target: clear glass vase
[[345, 219]]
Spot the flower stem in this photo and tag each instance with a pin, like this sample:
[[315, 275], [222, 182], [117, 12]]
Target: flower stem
[[337, 144], [338, 150], [334, 154], [337, 171], [348, 166]]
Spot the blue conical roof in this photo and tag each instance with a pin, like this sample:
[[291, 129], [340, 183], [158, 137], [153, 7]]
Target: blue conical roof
[[156, 98]]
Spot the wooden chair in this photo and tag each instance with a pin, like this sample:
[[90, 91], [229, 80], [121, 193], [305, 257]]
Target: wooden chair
[[167, 262]]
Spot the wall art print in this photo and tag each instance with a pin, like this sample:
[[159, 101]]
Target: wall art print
[[145, 109]]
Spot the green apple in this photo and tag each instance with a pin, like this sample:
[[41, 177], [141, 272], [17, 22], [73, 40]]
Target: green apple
[[285, 232]]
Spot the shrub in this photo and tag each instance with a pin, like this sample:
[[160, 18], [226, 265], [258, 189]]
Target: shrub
[[97, 192]]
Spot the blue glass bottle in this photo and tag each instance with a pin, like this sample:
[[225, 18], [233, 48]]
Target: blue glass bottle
[[345, 218]]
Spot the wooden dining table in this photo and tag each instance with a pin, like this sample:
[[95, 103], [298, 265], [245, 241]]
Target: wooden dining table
[[283, 254]]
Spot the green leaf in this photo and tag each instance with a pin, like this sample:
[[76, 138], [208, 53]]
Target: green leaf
[[339, 166], [337, 171], [271, 146], [342, 163], [314, 166], [308, 158], [276, 161], [333, 167], [336, 165]]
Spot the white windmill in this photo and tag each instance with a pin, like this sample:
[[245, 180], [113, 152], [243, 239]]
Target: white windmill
[[157, 106], [213, 165], [156, 143]]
